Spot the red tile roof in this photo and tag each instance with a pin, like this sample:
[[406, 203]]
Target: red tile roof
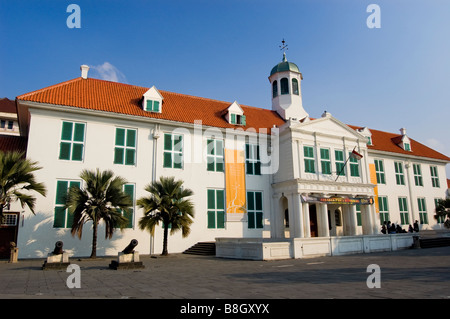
[[122, 98], [7, 105], [9, 143], [126, 99], [389, 142]]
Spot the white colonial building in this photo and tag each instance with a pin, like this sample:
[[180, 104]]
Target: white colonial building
[[267, 183]]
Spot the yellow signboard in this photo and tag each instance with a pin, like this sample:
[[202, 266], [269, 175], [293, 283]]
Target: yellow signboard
[[373, 180], [235, 184]]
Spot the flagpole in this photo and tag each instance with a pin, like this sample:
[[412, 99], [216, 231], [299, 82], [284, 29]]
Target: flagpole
[[348, 157]]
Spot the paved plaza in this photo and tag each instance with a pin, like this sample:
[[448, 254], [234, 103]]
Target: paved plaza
[[412, 273]]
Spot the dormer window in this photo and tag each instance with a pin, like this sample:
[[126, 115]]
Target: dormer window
[[152, 101], [367, 134], [237, 119], [405, 141], [407, 146], [235, 114], [152, 106]]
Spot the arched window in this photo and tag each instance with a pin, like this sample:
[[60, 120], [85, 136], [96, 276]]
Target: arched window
[[295, 86], [284, 82], [274, 89]]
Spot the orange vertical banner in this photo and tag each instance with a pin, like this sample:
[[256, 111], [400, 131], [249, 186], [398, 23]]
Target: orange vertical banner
[[235, 184], [373, 180]]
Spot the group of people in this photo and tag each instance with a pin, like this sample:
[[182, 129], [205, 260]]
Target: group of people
[[391, 228]]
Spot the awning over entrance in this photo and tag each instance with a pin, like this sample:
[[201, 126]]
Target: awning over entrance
[[337, 200]]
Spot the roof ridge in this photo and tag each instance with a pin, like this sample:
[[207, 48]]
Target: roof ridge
[[48, 88]]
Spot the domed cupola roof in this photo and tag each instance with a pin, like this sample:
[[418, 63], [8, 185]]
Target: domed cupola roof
[[284, 66]]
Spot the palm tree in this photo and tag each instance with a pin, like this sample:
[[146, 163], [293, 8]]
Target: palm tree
[[102, 198], [167, 203], [17, 180], [443, 209]]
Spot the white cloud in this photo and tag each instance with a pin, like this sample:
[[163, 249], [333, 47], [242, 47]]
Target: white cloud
[[109, 72]]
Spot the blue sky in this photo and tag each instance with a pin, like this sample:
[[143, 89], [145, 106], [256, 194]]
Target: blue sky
[[386, 78]]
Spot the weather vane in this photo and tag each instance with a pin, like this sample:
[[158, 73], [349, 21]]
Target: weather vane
[[283, 45]]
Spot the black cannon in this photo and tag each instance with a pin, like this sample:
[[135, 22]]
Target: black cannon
[[58, 248], [130, 248]]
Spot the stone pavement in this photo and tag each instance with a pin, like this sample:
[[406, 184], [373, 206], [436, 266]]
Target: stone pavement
[[412, 273]]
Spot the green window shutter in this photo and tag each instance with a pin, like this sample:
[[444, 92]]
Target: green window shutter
[[219, 147], [79, 132], [69, 221], [243, 120], [149, 106], [258, 168], [210, 147], [211, 219], [131, 138], [167, 159], [177, 160], [167, 142], [66, 132], [259, 220], [220, 219], [339, 156], [64, 151], [211, 199], [250, 201], [130, 157], [120, 137], [210, 164], [77, 152], [249, 167], [156, 106], [251, 220], [129, 190], [219, 156], [233, 119], [220, 204], [178, 143], [220, 166], [118, 155], [61, 192], [258, 201], [59, 217]]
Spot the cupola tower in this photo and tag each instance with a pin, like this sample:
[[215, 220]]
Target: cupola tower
[[285, 79]]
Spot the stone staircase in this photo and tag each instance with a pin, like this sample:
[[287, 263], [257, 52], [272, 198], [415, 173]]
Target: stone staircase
[[434, 238], [202, 248]]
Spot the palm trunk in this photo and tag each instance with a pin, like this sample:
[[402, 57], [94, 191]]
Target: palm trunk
[[94, 241], [166, 232]]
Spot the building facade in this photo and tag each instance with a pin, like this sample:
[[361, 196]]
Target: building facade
[[256, 173]]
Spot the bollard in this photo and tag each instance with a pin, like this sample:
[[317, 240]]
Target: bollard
[[14, 252], [416, 241]]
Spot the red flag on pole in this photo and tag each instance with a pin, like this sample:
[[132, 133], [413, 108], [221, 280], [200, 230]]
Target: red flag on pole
[[356, 155]]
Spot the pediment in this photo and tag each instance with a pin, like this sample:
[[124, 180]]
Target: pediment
[[328, 125]]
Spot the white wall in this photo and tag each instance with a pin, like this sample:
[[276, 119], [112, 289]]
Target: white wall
[[37, 236], [410, 190]]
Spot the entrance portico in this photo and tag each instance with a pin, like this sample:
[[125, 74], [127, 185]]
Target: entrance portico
[[305, 214]]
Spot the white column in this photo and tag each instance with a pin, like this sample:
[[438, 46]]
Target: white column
[[366, 219], [295, 219], [322, 216], [306, 222], [353, 219], [375, 220], [276, 225]]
